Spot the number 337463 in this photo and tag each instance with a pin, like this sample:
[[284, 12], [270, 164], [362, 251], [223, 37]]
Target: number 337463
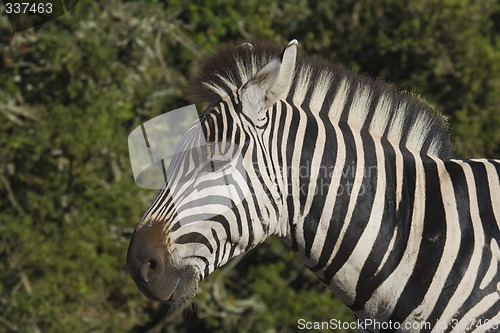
[[28, 8]]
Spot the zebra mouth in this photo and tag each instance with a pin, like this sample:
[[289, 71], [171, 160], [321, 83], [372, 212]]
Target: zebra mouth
[[170, 285], [186, 287]]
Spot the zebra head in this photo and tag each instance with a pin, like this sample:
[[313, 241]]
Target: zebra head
[[223, 193]]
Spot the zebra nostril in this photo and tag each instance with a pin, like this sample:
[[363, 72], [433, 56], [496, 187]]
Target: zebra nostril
[[150, 270], [151, 267]]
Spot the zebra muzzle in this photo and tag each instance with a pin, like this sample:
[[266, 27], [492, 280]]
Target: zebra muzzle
[[155, 272]]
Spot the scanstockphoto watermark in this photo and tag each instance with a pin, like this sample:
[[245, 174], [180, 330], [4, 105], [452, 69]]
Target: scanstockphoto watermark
[[463, 325], [320, 179], [153, 145], [230, 178], [361, 324]]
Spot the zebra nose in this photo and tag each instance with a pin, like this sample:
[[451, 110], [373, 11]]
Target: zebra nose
[[145, 258], [147, 261], [156, 271]]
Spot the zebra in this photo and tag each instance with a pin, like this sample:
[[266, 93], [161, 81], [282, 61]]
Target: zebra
[[403, 233]]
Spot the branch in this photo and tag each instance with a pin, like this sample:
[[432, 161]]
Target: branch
[[10, 193]]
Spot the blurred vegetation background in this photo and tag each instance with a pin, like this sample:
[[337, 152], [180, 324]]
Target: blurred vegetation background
[[73, 89]]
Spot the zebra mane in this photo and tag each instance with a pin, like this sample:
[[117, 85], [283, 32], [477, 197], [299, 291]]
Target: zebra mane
[[348, 97]]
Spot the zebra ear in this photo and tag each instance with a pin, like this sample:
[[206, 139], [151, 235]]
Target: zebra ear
[[269, 85]]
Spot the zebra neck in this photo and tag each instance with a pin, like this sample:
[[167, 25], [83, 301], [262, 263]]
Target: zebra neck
[[351, 217]]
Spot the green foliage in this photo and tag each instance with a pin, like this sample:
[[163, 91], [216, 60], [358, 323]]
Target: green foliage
[[72, 90]]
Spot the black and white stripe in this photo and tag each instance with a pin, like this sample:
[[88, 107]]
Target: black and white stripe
[[354, 176]]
